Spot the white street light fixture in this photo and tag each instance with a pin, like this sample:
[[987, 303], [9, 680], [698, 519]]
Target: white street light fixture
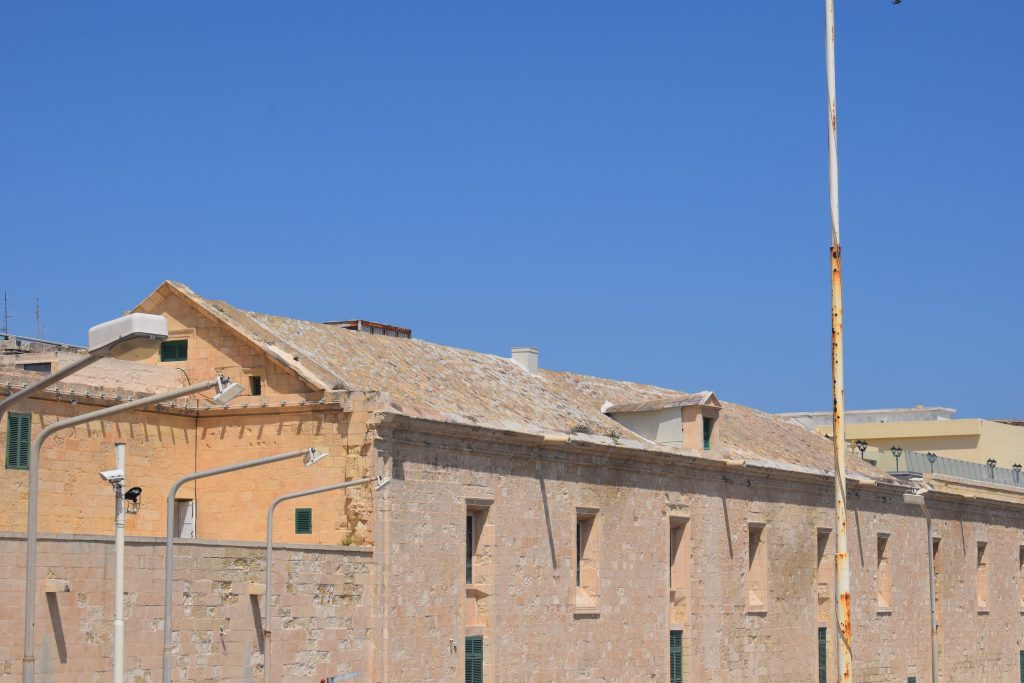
[[309, 457], [126, 337], [380, 482], [313, 457], [134, 336], [32, 530], [226, 391]]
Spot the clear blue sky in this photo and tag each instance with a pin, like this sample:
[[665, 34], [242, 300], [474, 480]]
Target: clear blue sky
[[639, 189]]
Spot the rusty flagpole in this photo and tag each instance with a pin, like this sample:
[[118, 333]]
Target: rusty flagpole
[[844, 633]]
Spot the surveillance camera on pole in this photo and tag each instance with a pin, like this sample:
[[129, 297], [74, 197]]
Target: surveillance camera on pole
[[112, 476]]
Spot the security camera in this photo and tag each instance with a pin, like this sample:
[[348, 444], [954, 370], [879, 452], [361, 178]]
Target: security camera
[[112, 476]]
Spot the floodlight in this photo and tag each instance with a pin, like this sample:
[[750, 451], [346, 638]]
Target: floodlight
[[130, 337], [313, 456], [226, 390], [381, 482], [133, 493]]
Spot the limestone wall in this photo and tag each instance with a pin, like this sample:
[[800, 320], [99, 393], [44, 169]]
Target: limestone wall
[[163, 446], [321, 611], [537, 626]]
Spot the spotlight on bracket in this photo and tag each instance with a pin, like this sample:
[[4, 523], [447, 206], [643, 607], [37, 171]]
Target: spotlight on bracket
[[313, 456], [226, 390]]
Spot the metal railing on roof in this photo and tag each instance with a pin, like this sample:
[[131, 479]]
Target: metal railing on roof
[[924, 463]]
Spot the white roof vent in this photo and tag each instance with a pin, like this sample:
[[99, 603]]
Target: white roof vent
[[526, 358]]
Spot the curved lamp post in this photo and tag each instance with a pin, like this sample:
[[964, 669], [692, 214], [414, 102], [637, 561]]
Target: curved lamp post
[[381, 483], [309, 457], [226, 391]]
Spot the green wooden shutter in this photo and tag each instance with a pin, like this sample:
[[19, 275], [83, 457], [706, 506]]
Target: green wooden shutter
[[174, 350], [1022, 666], [708, 422], [912, 679], [822, 655], [675, 657], [19, 433], [474, 659], [303, 520]]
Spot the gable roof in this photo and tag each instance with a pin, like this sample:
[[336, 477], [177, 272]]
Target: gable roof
[[447, 383], [701, 398]]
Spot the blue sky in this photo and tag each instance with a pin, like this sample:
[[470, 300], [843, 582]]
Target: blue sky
[[639, 189]]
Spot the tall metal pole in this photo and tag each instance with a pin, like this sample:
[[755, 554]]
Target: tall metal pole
[[118, 666], [844, 632], [270, 559]]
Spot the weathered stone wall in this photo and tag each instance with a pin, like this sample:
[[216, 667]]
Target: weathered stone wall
[[213, 348], [320, 611], [537, 628], [162, 447]]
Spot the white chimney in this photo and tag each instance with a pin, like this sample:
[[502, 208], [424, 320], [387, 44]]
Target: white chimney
[[526, 358]]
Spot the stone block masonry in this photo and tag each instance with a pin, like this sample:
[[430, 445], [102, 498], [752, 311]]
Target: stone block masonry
[[321, 605]]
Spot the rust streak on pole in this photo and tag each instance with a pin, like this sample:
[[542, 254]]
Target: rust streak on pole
[[844, 631]]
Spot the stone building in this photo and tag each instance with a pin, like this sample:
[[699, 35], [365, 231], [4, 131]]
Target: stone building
[[539, 525]]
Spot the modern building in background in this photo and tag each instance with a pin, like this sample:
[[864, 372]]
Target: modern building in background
[[540, 526], [926, 430]]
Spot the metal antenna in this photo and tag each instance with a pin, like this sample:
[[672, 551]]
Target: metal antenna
[[39, 321], [7, 317]]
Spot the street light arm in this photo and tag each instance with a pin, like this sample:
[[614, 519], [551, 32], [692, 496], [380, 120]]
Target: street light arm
[[32, 530], [49, 380]]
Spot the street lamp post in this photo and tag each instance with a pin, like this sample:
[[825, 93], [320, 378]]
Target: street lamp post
[[917, 498], [896, 453], [862, 446], [309, 457], [381, 483], [227, 389]]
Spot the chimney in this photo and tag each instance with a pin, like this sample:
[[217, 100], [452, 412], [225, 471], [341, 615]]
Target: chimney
[[526, 358]]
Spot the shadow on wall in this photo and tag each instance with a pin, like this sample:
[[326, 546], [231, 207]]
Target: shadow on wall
[[58, 627]]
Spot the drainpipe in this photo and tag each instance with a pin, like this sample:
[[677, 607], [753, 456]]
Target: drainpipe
[[917, 498]]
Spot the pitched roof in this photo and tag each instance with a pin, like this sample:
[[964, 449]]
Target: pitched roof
[[448, 383], [702, 398], [107, 375]]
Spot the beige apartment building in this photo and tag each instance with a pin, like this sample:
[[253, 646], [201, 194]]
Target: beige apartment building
[[927, 430], [539, 526]]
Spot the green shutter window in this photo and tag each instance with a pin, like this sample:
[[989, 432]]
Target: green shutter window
[[303, 520], [174, 350], [912, 679], [675, 657], [708, 423], [822, 654], [1022, 666], [19, 433], [474, 659]]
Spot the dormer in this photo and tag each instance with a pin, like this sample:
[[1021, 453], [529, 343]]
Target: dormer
[[689, 422]]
